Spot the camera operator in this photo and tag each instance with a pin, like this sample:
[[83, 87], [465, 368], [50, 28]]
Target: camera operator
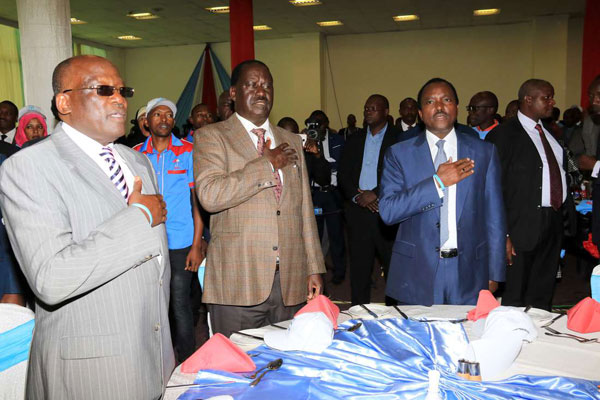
[[327, 200]]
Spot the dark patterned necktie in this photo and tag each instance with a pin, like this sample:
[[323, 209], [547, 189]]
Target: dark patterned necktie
[[260, 148], [556, 193], [116, 177]]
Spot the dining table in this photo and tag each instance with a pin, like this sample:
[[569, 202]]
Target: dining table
[[546, 356]]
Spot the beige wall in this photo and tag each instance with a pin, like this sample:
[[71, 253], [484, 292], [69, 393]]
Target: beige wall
[[495, 57], [294, 64], [307, 68]]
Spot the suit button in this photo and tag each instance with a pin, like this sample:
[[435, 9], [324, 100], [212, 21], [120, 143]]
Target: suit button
[[156, 327], [275, 248], [260, 184], [437, 224], [539, 206], [160, 282], [278, 212], [437, 249], [540, 188]]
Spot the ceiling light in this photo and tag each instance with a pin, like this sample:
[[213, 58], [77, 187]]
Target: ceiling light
[[330, 23], [75, 21], [218, 10], [404, 18], [129, 37], [142, 15], [262, 28], [301, 3], [487, 11]]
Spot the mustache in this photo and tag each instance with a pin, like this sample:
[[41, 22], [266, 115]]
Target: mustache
[[261, 98], [440, 113]]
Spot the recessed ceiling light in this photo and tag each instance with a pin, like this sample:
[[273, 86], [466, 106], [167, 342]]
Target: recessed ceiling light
[[142, 15], [129, 37], [218, 10], [404, 18], [75, 21], [262, 28], [487, 11], [330, 23], [301, 3]]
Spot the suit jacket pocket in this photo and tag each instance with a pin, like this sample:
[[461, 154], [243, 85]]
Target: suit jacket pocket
[[481, 251], [85, 347], [405, 248]]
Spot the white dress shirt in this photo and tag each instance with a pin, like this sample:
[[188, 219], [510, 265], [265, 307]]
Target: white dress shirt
[[406, 127], [529, 126], [329, 159], [451, 150], [268, 135], [10, 135], [93, 150]]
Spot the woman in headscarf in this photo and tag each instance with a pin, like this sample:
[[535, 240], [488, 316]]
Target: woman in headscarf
[[32, 125]]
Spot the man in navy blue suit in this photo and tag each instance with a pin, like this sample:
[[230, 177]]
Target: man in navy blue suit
[[443, 188]]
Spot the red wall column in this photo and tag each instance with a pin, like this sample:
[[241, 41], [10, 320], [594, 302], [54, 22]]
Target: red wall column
[[590, 65], [241, 30]]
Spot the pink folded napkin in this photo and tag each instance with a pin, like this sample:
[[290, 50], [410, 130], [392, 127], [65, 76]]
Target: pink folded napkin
[[323, 304], [584, 317], [218, 353], [485, 303]]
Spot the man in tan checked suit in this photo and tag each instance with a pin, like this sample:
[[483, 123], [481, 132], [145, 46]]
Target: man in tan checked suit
[[264, 259]]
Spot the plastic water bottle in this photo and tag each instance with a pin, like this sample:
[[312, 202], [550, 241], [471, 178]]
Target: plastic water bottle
[[595, 283]]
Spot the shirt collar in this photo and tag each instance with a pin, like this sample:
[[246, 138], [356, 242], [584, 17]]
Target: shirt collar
[[406, 126], [82, 140], [147, 148], [377, 135], [489, 128], [450, 141], [527, 122], [248, 125]]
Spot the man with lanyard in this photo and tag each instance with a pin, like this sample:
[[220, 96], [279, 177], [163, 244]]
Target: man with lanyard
[[173, 164], [482, 108], [200, 116], [327, 199]]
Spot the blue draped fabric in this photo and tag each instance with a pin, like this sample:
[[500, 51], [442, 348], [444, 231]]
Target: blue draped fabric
[[186, 100], [383, 359], [14, 345], [224, 78]]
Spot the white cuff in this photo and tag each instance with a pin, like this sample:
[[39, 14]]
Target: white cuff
[[596, 169], [440, 191]]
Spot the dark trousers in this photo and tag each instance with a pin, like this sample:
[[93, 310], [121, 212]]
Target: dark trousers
[[226, 319], [367, 237], [331, 203], [182, 319], [530, 280]]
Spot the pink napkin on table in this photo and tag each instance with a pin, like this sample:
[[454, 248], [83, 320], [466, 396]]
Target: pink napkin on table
[[485, 303], [584, 317], [218, 353], [323, 304]]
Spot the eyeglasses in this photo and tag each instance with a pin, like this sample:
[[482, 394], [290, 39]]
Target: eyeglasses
[[477, 108], [106, 90]]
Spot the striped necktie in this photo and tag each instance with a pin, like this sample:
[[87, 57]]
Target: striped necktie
[[260, 147], [116, 173]]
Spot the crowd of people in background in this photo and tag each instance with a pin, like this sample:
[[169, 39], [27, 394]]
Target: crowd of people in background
[[502, 185]]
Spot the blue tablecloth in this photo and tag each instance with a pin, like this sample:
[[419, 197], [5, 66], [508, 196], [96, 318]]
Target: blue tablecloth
[[384, 359]]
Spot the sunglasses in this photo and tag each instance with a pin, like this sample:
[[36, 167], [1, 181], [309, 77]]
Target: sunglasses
[[106, 90]]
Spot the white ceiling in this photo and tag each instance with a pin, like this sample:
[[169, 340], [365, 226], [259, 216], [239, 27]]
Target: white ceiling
[[187, 22]]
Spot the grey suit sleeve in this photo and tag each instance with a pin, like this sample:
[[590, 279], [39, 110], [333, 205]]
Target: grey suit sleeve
[[37, 218]]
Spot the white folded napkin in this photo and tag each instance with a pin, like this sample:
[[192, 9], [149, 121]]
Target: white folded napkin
[[504, 331]]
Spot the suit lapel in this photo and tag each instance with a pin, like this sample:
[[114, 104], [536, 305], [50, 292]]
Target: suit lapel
[[89, 172], [287, 171], [422, 157], [464, 150], [137, 169]]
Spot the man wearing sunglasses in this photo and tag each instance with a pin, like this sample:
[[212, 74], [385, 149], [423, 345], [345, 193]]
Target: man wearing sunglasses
[[92, 247], [482, 108]]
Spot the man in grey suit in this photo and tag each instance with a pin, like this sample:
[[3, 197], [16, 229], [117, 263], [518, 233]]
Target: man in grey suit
[[93, 247]]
